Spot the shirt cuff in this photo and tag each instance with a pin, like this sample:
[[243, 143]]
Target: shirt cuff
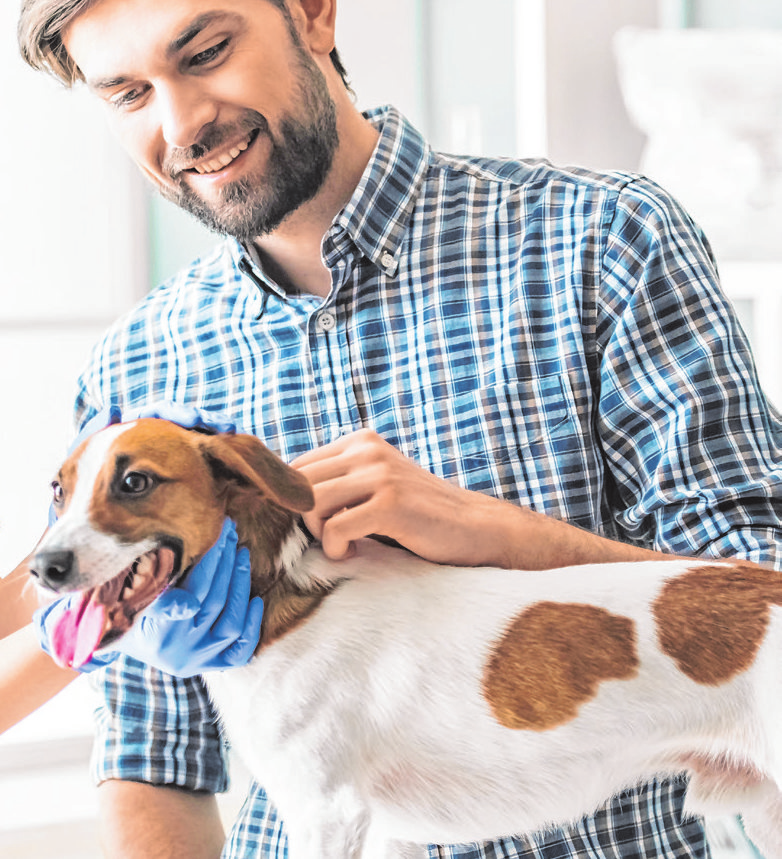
[[155, 728]]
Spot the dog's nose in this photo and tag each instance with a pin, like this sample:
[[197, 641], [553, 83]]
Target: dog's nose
[[53, 568]]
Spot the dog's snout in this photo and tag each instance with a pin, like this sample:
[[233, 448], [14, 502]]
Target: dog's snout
[[53, 568]]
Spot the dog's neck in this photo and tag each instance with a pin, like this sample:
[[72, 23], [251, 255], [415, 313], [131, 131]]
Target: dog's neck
[[277, 540]]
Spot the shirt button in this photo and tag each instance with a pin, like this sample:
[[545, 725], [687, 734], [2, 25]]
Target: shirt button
[[387, 260], [326, 320]]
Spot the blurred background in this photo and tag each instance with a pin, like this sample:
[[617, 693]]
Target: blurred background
[[687, 91]]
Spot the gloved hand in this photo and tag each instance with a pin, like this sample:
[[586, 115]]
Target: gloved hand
[[208, 623]]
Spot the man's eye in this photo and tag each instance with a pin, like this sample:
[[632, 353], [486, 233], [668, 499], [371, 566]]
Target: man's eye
[[58, 494], [135, 482], [203, 58], [128, 98]]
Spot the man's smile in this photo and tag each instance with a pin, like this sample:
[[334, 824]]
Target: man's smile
[[216, 162]]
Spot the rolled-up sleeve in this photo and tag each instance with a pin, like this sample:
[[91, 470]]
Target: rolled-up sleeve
[[155, 728], [691, 442]]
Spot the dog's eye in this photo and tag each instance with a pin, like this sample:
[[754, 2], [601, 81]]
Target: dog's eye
[[135, 482], [58, 493]]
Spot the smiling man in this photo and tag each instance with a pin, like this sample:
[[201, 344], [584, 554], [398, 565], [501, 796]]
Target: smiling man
[[492, 362]]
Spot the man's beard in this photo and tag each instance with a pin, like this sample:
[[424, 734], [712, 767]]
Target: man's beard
[[300, 159]]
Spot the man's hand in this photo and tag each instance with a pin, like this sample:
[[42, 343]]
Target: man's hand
[[208, 623], [363, 486]]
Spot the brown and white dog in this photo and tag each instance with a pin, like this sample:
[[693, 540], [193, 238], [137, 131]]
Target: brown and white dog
[[392, 702]]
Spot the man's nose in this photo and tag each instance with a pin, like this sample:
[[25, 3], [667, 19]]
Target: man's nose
[[185, 111]]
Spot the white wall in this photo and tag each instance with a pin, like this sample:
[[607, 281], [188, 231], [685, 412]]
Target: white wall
[[74, 256]]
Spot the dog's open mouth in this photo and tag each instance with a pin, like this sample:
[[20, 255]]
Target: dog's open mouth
[[106, 612]]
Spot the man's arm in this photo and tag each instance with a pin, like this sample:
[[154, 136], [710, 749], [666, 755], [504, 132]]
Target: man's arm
[[365, 486], [142, 821], [689, 443]]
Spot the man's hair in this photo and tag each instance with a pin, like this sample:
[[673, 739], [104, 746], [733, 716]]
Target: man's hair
[[42, 22]]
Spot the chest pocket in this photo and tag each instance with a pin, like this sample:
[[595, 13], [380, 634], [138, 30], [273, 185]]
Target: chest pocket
[[522, 441]]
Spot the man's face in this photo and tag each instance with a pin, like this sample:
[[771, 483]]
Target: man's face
[[217, 102]]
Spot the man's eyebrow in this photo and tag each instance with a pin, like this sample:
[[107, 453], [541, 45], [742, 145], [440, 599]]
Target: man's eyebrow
[[106, 83], [195, 27]]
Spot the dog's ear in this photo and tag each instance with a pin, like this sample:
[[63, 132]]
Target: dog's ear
[[244, 460]]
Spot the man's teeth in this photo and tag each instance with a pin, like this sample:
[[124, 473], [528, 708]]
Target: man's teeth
[[223, 160]]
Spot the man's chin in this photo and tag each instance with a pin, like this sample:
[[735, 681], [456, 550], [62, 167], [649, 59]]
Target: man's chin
[[232, 214]]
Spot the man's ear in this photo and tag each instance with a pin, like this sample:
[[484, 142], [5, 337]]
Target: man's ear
[[317, 23], [244, 461]]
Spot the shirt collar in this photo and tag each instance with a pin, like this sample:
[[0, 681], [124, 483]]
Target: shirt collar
[[377, 216]]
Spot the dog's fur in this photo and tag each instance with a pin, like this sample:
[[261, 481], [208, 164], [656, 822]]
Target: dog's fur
[[393, 703]]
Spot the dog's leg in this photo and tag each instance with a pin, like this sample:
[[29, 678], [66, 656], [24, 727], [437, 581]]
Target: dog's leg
[[333, 829], [763, 824], [380, 847], [403, 850]]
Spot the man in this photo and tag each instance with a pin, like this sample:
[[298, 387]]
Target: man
[[492, 362]]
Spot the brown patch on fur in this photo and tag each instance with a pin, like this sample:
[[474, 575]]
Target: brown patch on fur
[[551, 660], [182, 504], [712, 620]]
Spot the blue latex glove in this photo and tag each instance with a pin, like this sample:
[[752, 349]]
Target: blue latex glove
[[189, 417], [208, 623]]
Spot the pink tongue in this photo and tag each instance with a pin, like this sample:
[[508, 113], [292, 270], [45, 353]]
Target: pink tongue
[[78, 633]]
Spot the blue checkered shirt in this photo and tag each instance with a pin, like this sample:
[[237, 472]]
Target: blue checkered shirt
[[554, 337]]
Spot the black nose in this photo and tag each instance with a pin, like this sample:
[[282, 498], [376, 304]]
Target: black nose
[[53, 568]]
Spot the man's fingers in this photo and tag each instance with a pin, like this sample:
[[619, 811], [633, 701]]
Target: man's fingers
[[220, 586], [232, 619], [340, 531], [202, 579]]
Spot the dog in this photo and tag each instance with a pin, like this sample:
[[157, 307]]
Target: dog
[[392, 702]]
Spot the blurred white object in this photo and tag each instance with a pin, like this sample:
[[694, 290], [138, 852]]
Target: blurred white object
[[710, 103]]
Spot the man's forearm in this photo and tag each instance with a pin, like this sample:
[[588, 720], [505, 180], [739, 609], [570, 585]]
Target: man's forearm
[[527, 540], [142, 821]]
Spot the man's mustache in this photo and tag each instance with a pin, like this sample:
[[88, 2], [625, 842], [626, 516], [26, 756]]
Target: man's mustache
[[212, 137]]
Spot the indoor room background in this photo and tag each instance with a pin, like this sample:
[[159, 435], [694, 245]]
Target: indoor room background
[[686, 91]]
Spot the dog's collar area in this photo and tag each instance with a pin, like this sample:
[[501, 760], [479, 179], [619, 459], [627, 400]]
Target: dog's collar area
[[306, 532]]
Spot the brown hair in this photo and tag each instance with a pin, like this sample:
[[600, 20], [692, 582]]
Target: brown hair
[[42, 22]]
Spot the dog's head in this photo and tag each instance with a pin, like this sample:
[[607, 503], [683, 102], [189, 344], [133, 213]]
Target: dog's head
[[138, 504]]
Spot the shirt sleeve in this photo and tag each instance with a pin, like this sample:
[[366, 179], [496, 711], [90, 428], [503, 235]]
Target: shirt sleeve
[[690, 441], [155, 728]]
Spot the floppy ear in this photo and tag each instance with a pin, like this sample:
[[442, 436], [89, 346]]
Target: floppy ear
[[246, 461]]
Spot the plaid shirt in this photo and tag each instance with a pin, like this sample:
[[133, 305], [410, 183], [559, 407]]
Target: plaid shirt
[[555, 337]]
